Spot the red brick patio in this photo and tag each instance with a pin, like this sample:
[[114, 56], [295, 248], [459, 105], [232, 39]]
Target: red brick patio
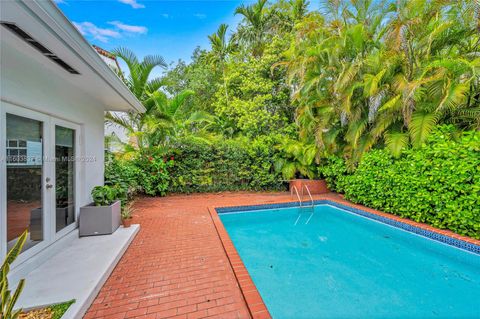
[[177, 266]]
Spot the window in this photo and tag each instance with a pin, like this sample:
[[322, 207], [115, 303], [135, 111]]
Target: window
[[17, 152]]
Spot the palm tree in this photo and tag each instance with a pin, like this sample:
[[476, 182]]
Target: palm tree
[[138, 79], [368, 74], [257, 23], [170, 119], [299, 9], [296, 159], [283, 15], [139, 82], [437, 71], [221, 49]]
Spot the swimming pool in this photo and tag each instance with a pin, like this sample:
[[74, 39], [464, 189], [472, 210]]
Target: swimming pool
[[334, 263]]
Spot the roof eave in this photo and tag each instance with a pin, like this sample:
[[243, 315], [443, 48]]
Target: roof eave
[[65, 30]]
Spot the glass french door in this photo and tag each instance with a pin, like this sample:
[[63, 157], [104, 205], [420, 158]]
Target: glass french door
[[65, 172], [38, 178], [25, 171]]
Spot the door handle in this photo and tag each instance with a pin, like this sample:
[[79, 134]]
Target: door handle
[[48, 186]]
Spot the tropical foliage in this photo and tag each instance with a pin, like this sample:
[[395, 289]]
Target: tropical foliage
[[296, 158], [139, 82], [192, 166], [7, 299], [106, 195], [369, 73], [438, 184], [291, 92]]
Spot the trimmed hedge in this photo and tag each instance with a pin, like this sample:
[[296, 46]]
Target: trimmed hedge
[[438, 184], [192, 166], [144, 173], [122, 173], [227, 165]]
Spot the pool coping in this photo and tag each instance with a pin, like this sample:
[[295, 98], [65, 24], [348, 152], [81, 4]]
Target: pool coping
[[255, 304], [252, 297]]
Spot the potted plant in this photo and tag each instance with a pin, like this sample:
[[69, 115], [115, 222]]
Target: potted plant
[[127, 212], [101, 217], [296, 163]]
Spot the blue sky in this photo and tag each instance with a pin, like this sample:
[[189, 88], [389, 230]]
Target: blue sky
[[170, 28]]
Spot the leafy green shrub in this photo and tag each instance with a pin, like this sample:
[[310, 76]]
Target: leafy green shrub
[[226, 165], [154, 177], [261, 152], [145, 172], [334, 170], [438, 184], [107, 195], [123, 173]]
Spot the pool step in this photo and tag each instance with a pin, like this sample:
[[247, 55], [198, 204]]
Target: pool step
[[304, 211]]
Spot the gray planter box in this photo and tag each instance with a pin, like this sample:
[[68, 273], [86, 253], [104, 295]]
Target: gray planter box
[[99, 220]]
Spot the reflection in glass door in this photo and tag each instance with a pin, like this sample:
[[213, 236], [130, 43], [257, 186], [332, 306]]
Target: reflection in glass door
[[64, 177], [24, 161]]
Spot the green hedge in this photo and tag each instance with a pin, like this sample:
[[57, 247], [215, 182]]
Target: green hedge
[[226, 165], [146, 172], [438, 184], [191, 166], [122, 173]]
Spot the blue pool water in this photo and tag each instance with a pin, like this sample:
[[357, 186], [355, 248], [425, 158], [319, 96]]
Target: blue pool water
[[342, 265]]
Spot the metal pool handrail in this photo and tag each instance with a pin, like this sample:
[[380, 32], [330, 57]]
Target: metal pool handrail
[[298, 195], [312, 203], [309, 194]]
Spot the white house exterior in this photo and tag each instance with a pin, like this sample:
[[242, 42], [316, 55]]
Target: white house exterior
[[54, 90]]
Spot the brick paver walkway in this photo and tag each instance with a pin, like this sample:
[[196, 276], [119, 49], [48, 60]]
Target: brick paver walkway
[[176, 266]]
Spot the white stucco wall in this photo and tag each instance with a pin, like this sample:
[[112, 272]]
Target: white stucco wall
[[33, 85], [44, 87], [30, 81]]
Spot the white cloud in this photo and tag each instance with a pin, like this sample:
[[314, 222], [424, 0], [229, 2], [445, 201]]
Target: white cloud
[[129, 28], [89, 29], [119, 29], [133, 3], [200, 15], [164, 15]]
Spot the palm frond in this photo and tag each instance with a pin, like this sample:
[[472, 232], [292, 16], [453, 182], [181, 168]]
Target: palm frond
[[127, 56], [178, 101], [155, 84], [120, 120], [420, 127], [200, 117], [396, 142], [455, 95]]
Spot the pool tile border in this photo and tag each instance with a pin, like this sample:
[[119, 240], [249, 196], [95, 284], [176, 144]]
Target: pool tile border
[[446, 237], [458, 241], [254, 301], [255, 304]]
